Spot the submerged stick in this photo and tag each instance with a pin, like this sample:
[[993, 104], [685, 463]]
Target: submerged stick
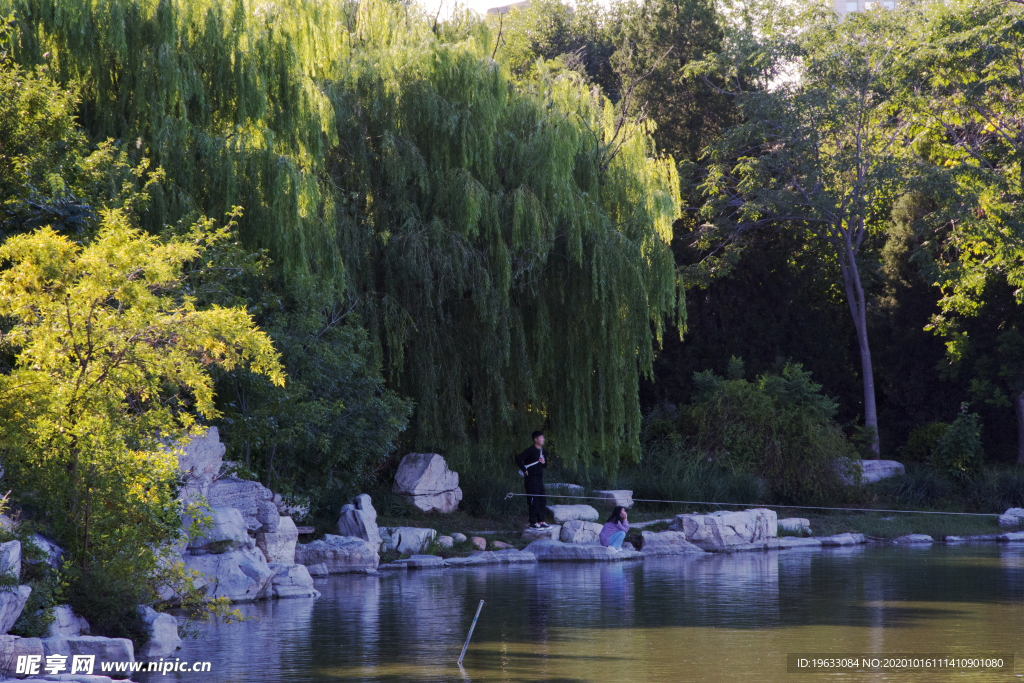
[[473, 626]]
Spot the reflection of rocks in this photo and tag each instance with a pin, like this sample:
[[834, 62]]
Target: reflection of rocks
[[667, 543], [426, 482], [565, 513], [339, 554], [730, 531]]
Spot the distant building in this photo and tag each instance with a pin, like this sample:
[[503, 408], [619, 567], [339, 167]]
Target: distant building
[[504, 9], [843, 7]]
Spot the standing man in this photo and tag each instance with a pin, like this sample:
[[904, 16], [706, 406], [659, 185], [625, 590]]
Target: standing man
[[531, 464]]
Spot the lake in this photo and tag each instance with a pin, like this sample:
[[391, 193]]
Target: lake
[[707, 618]]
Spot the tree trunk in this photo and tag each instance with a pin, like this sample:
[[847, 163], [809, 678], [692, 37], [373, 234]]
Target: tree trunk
[[1018, 405]]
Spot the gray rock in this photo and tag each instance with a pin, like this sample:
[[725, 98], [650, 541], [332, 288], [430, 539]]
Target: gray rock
[[293, 581], [12, 602], [226, 532], [318, 571], [511, 556], [199, 461], [54, 553], [339, 554], [423, 562], [556, 551], [425, 481], [459, 538], [846, 539], [12, 647], [551, 533], [1014, 537], [104, 649], [445, 541], [566, 513], [876, 470], [407, 539], [626, 545], [576, 531], [1012, 518], [729, 530], [239, 575], [479, 542], [163, 633], [279, 547], [612, 498], [268, 516], [10, 559], [912, 539], [359, 519], [245, 496], [67, 623], [787, 542], [667, 543], [795, 525]]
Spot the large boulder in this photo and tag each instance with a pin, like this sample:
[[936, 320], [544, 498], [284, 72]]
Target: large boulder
[[293, 581], [577, 531], [667, 543], [425, 481], [163, 633], [103, 649], [914, 539], [279, 546], [556, 551], [730, 531], [510, 556], [339, 554], [199, 461], [795, 525], [1012, 518], [359, 519], [54, 553], [238, 575], [612, 498], [67, 623], [876, 470], [245, 496], [268, 516], [407, 539], [842, 540], [567, 513], [13, 647], [10, 559], [422, 562], [552, 533], [12, 602], [227, 531]]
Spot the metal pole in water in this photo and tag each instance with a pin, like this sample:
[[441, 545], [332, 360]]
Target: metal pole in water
[[473, 626]]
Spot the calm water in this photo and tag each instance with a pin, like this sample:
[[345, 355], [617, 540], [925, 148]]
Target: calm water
[[712, 618]]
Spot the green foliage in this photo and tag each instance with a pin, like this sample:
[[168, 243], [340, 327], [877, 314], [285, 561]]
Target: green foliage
[[958, 452], [921, 443], [109, 603]]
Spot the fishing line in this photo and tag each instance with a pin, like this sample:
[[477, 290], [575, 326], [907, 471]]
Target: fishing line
[[759, 505]]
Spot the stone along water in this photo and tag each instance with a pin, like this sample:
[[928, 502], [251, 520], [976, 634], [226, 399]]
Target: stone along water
[[710, 618]]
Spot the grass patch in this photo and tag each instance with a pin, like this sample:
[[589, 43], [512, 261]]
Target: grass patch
[[893, 525]]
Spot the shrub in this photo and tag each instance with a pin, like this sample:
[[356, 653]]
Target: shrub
[[958, 452], [922, 441]]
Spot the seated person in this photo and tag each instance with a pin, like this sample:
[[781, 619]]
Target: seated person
[[614, 530]]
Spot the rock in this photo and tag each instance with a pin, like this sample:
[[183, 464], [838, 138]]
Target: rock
[[200, 461], [359, 519], [479, 543], [104, 649], [318, 571], [1012, 537], [556, 551], [445, 541], [54, 553], [795, 525], [876, 470], [163, 634], [12, 602], [10, 559], [501, 545], [551, 533], [566, 513], [910, 539], [787, 542], [407, 539], [612, 498], [267, 515], [239, 575], [226, 532], [12, 647], [842, 540], [667, 543], [576, 531], [245, 496], [459, 538], [728, 530], [279, 546], [340, 554], [510, 556], [1012, 518], [67, 623], [425, 481], [292, 581], [626, 545], [423, 562]]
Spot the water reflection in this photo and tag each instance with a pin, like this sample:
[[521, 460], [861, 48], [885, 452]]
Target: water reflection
[[714, 618]]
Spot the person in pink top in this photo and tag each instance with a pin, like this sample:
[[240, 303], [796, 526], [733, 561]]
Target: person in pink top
[[614, 530]]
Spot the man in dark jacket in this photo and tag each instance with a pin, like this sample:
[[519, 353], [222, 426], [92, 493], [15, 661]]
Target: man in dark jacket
[[531, 463]]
